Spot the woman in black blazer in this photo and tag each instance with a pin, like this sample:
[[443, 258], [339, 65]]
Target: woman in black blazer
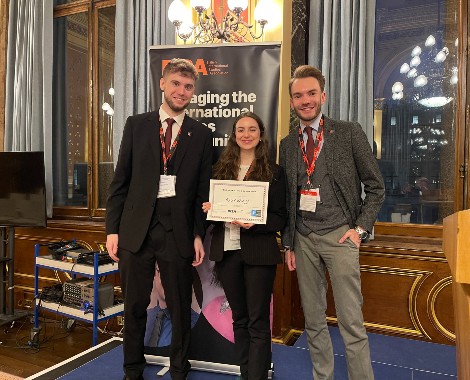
[[246, 255]]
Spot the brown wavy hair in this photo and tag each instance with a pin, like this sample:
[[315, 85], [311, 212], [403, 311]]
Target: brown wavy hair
[[228, 165], [183, 66], [306, 71]]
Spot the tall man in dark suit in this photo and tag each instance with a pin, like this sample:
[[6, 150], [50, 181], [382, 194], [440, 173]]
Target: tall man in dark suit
[[154, 213], [326, 161]]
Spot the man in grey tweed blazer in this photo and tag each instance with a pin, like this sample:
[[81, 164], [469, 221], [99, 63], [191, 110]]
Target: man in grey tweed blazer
[[328, 220]]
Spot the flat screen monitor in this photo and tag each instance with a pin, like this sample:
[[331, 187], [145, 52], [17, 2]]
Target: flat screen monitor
[[22, 189]]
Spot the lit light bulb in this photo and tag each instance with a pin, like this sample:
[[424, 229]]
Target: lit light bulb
[[404, 68], [111, 91], [241, 4], [105, 106], [263, 10], [430, 41], [455, 76], [442, 55], [202, 4], [110, 112], [415, 61], [416, 51], [420, 81], [412, 73], [397, 87], [186, 28], [176, 11], [397, 95]]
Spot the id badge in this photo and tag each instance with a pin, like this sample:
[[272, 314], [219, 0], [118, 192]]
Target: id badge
[[166, 187], [234, 231], [309, 199]]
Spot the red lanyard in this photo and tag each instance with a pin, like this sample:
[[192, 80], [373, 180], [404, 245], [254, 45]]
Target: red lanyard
[[308, 192], [247, 174], [310, 168], [172, 149]]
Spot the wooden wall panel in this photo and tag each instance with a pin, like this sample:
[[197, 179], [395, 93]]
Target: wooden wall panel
[[406, 285]]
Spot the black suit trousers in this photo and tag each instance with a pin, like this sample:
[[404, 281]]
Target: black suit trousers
[[248, 289], [137, 272]]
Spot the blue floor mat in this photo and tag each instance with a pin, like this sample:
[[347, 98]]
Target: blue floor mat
[[423, 357], [392, 358]]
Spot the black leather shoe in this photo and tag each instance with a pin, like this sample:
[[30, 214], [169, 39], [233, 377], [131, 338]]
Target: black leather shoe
[[127, 377]]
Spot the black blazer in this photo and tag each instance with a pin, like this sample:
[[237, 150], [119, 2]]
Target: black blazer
[[258, 243], [133, 191]]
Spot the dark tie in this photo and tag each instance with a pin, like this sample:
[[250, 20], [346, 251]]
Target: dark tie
[[169, 123], [310, 144]]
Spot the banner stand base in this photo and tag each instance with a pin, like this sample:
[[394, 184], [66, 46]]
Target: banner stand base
[[198, 365], [163, 371]]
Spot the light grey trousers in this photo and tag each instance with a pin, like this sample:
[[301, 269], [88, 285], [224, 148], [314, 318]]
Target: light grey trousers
[[314, 254]]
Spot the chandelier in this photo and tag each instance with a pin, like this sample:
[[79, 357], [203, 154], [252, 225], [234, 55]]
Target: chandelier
[[427, 75], [232, 27], [106, 107]]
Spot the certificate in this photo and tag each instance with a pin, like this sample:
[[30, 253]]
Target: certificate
[[245, 201]]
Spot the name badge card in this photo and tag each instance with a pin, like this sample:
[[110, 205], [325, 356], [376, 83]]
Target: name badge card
[[234, 231], [309, 199], [166, 188]]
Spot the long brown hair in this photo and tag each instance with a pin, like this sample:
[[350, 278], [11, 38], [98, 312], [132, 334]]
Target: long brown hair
[[228, 165]]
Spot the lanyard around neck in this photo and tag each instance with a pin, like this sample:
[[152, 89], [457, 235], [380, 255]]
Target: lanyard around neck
[[248, 172], [172, 149], [310, 167]]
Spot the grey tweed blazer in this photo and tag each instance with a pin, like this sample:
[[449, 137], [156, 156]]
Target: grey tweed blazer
[[350, 162]]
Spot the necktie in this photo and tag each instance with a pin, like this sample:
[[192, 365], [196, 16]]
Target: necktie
[[310, 144], [169, 123]]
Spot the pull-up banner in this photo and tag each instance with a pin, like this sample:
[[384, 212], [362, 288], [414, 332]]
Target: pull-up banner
[[233, 78]]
